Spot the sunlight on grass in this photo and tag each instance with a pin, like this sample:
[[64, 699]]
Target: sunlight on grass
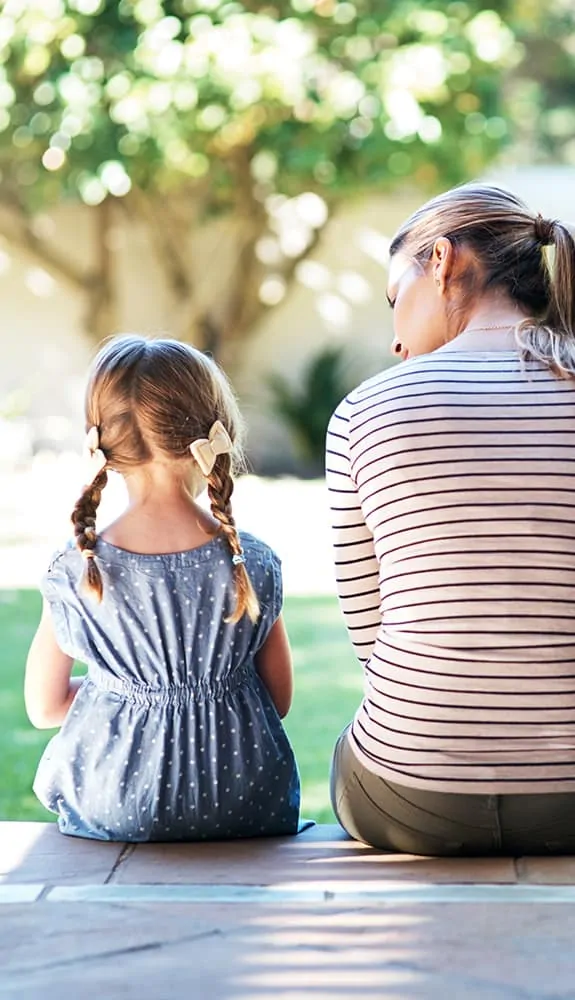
[[328, 689]]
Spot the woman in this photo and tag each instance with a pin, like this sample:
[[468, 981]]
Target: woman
[[452, 487]]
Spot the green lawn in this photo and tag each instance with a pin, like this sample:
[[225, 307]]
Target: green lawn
[[328, 688]]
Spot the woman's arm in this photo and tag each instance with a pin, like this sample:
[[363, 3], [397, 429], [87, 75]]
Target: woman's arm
[[48, 688], [274, 665], [356, 566]]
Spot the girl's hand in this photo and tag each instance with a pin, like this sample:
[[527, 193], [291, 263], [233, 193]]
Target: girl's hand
[[48, 688], [274, 665]]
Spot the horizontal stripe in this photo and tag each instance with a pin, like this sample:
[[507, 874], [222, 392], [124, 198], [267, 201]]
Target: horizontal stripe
[[476, 674], [461, 400]]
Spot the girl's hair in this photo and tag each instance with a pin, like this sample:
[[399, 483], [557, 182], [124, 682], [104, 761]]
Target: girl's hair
[[508, 242], [151, 399]]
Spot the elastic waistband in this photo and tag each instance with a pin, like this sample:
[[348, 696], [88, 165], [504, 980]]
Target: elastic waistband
[[176, 694]]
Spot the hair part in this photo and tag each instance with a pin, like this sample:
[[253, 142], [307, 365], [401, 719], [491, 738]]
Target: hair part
[[510, 244], [151, 399]]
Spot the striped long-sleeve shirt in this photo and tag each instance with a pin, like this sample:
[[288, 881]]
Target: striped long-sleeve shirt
[[452, 488]]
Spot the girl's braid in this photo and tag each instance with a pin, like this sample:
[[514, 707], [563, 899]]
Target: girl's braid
[[84, 521], [220, 489]]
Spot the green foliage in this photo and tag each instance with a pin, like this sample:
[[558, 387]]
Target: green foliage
[[98, 96], [306, 408], [20, 745], [178, 110]]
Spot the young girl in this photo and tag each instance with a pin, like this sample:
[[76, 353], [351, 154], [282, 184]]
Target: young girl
[[175, 732]]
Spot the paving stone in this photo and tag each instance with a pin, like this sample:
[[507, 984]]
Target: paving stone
[[37, 852], [547, 870], [140, 951], [321, 854]]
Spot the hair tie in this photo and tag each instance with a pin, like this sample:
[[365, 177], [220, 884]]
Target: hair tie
[[239, 558], [206, 450], [544, 229], [88, 554], [94, 458]]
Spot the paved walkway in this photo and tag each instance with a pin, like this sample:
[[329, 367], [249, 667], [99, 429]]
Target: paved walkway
[[315, 917]]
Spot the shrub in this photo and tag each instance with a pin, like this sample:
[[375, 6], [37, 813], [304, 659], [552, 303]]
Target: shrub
[[306, 408]]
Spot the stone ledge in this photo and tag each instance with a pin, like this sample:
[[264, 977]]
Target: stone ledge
[[36, 854]]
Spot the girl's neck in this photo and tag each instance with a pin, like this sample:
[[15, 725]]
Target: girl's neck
[[161, 515], [157, 482]]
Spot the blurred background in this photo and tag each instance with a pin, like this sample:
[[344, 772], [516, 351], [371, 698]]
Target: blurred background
[[231, 174]]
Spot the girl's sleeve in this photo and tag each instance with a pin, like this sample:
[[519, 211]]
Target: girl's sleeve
[[53, 586], [277, 598], [356, 567], [267, 579]]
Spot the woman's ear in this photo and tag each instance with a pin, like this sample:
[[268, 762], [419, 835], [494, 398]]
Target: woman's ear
[[442, 262]]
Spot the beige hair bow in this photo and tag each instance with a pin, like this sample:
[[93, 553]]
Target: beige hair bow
[[206, 450], [94, 458]]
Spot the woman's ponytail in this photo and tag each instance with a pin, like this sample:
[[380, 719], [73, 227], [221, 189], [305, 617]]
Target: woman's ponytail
[[562, 305], [551, 340]]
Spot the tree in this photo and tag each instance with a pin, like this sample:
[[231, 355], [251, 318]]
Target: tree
[[265, 113]]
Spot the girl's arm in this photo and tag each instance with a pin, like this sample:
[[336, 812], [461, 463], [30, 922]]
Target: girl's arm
[[274, 665], [48, 688]]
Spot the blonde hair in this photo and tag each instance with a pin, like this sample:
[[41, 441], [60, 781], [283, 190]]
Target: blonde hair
[[155, 397], [509, 243]]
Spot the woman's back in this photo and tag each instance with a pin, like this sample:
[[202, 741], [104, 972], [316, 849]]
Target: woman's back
[[452, 480]]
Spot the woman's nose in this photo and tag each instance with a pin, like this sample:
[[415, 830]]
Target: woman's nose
[[398, 349]]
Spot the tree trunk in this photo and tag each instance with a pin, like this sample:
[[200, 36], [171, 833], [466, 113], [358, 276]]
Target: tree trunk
[[101, 316]]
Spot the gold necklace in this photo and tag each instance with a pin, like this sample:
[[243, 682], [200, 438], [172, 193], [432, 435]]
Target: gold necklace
[[481, 329]]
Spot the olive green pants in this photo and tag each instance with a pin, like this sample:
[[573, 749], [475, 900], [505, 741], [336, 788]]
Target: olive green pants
[[411, 821]]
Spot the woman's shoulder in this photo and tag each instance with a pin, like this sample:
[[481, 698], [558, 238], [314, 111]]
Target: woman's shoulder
[[386, 379], [440, 365], [401, 374]]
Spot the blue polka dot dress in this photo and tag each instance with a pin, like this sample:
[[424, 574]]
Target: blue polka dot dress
[[172, 736]]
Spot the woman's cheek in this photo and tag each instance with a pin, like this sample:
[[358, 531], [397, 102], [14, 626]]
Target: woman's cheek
[[400, 322]]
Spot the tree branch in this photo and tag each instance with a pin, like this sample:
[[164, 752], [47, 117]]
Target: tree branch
[[243, 304], [16, 228]]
